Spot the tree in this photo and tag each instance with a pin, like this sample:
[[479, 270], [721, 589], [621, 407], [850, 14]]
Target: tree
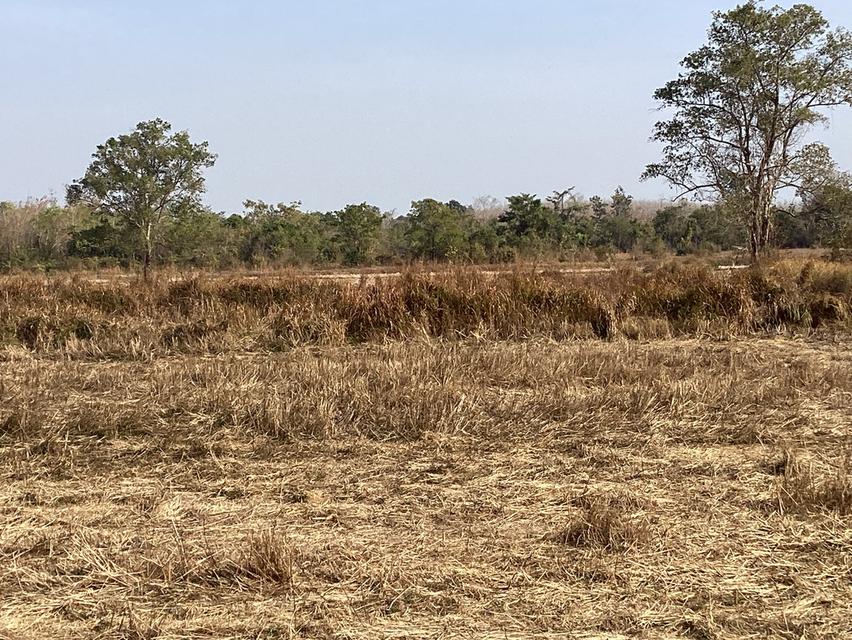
[[613, 224], [526, 216], [673, 226], [201, 239], [284, 233], [438, 231], [621, 202], [826, 195], [144, 178], [744, 101], [358, 227], [600, 209], [557, 199]]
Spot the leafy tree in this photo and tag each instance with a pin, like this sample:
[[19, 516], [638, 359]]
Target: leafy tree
[[742, 103], [621, 202], [599, 208], [103, 239], [614, 225], [674, 227], [529, 226], [717, 227], [526, 217], [144, 178], [201, 239], [686, 228], [284, 233], [358, 227], [437, 231], [458, 207], [619, 231], [485, 242], [827, 204]]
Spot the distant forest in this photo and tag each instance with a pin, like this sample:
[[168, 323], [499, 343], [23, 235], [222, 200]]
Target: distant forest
[[48, 234]]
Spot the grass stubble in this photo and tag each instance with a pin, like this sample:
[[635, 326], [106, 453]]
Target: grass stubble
[[311, 469]]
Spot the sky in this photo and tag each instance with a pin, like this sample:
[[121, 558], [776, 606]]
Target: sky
[[332, 102]]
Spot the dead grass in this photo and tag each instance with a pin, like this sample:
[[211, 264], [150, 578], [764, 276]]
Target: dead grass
[[607, 523], [84, 319], [805, 487], [261, 473]]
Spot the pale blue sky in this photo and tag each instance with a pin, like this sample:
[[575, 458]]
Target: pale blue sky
[[331, 102]]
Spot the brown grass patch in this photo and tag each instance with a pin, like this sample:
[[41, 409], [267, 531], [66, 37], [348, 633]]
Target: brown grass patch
[[804, 488], [430, 457], [606, 522]]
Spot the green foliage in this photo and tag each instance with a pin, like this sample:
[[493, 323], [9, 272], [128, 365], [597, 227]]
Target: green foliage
[[614, 226], [141, 198], [199, 239], [438, 231], [621, 202], [42, 234], [284, 234], [142, 179], [742, 103], [357, 232], [526, 216], [685, 228]]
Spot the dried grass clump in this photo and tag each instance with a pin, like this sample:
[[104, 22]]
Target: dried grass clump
[[645, 328], [823, 277], [607, 522], [186, 335], [803, 488], [290, 415], [267, 556], [403, 407], [44, 332], [826, 308], [685, 295]]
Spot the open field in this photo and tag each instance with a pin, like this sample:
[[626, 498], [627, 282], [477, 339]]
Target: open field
[[658, 455], [585, 263]]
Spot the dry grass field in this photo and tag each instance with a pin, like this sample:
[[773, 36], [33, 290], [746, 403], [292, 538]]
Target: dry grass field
[[661, 454]]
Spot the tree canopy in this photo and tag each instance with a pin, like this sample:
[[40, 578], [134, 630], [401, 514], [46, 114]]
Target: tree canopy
[[143, 178], [743, 103]]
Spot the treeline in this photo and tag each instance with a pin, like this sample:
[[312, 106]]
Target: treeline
[[47, 234]]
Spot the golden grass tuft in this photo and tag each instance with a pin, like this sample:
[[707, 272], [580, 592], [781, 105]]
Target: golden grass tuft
[[267, 556]]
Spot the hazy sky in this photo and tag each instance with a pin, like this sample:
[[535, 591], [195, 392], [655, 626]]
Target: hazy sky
[[333, 101]]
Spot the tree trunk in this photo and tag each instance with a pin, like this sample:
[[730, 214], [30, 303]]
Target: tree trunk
[[760, 228], [752, 237], [146, 262]]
